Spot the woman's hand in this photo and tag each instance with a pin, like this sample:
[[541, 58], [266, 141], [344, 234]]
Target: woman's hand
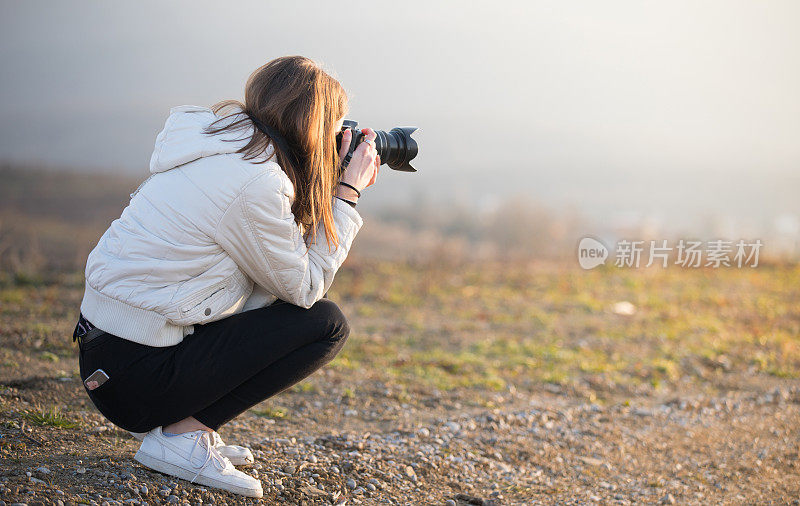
[[362, 171]]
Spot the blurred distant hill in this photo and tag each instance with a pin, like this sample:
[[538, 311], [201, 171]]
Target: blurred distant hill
[[51, 219]]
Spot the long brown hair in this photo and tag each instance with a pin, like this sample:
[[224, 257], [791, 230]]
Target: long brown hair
[[302, 104]]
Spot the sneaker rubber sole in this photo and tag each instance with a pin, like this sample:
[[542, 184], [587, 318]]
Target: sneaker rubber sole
[[185, 474]]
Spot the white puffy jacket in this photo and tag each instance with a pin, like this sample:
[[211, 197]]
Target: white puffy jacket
[[207, 235]]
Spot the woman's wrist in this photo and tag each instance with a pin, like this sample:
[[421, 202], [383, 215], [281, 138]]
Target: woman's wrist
[[349, 203], [348, 185], [346, 193]]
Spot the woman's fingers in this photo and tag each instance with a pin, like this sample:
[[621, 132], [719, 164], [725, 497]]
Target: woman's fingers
[[366, 147], [363, 168], [377, 168], [369, 133]]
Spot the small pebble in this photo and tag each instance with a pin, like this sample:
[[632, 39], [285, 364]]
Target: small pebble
[[351, 483]]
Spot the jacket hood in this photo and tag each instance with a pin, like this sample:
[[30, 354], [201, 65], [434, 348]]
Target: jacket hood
[[182, 140]]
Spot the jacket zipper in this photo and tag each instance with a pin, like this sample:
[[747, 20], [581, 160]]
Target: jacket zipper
[[187, 309], [141, 184]]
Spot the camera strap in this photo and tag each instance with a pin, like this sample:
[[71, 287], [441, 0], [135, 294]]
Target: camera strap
[[281, 142]]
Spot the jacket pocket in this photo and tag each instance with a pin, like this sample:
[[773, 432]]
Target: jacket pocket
[[203, 307]]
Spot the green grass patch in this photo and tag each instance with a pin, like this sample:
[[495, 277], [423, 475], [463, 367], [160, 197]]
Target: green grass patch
[[271, 412], [304, 387], [12, 296], [50, 417], [49, 356]]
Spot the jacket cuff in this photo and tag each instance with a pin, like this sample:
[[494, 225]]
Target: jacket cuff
[[349, 211]]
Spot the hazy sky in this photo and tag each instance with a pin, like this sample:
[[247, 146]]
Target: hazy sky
[[663, 102]]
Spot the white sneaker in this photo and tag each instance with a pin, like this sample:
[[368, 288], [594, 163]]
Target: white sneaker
[[192, 456], [238, 455]]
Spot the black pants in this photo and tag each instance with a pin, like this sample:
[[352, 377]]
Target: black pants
[[220, 371]]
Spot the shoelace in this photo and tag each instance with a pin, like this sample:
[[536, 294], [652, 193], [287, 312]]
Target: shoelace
[[212, 454], [217, 439]]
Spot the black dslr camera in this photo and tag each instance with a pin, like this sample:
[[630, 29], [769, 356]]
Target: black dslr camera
[[395, 147]]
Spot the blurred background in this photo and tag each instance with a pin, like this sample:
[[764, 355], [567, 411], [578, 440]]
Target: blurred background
[[540, 122]]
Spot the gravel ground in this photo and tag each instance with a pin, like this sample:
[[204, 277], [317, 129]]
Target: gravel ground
[[462, 384], [547, 447]]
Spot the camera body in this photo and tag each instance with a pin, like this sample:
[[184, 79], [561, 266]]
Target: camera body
[[396, 147]]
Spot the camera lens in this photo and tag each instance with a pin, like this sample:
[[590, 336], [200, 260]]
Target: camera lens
[[397, 148]]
